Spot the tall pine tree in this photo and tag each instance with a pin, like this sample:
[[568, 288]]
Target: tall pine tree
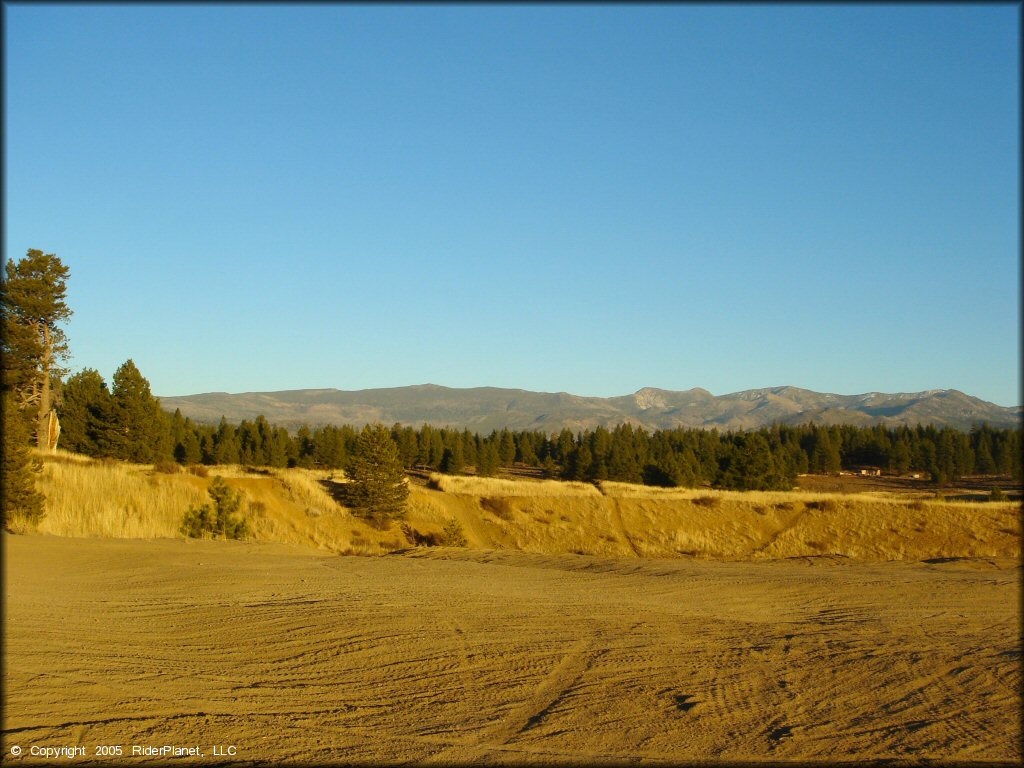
[[32, 307], [378, 489], [142, 430], [22, 503], [86, 414]]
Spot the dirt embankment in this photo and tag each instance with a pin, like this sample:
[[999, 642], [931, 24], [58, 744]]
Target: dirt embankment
[[94, 499], [621, 520]]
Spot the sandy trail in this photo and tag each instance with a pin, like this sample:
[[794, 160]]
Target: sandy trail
[[474, 656]]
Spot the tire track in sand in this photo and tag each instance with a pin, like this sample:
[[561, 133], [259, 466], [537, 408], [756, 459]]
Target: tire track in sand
[[552, 689], [783, 528], [617, 519]]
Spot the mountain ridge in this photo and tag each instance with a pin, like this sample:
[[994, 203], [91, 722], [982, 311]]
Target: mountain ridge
[[482, 409]]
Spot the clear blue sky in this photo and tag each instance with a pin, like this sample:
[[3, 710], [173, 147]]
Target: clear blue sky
[[588, 199]]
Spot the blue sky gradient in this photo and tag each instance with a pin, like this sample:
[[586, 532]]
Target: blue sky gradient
[[575, 198]]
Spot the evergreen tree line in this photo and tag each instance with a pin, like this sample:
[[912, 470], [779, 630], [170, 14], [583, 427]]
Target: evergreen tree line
[[126, 422]]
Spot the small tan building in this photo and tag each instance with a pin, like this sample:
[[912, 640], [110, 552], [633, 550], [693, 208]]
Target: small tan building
[[870, 471]]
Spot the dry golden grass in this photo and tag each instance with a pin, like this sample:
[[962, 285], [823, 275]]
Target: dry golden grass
[[492, 486], [306, 488], [60, 455], [107, 499], [630, 490]]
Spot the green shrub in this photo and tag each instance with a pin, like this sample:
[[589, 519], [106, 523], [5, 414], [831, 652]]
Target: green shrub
[[825, 505], [452, 534], [997, 495], [707, 501], [497, 506], [220, 520], [418, 539], [166, 467]]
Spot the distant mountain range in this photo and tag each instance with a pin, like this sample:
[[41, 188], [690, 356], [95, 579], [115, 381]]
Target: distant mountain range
[[482, 409]]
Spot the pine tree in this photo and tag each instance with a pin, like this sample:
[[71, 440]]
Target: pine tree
[[963, 455], [85, 412], [1006, 454], [984, 462], [580, 462], [468, 448], [282, 449], [304, 447], [22, 503], [408, 445], [452, 462], [899, 456], [430, 447], [208, 448], [487, 459], [265, 434], [825, 456], [378, 489], [248, 443], [31, 308], [748, 466], [525, 452], [220, 520], [506, 448], [142, 433], [945, 458], [600, 443], [189, 450], [622, 459], [565, 445], [1013, 451], [225, 449], [435, 446], [329, 448]]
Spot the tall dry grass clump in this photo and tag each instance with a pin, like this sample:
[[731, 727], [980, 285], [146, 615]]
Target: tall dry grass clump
[[763, 498], [492, 486], [60, 455], [108, 499], [308, 488]]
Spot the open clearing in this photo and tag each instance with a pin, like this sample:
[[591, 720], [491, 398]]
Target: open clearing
[[475, 656]]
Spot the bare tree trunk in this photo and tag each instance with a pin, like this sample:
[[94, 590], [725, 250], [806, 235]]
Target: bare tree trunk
[[52, 432], [45, 406]]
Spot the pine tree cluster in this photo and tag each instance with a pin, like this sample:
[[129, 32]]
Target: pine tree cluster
[[128, 423]]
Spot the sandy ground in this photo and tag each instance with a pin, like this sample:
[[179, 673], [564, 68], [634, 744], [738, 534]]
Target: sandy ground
[[476, 656]]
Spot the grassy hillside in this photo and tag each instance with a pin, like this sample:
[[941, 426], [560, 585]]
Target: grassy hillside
[[89, 498]]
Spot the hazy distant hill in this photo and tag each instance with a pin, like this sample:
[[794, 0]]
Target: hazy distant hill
[[482, 409]]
